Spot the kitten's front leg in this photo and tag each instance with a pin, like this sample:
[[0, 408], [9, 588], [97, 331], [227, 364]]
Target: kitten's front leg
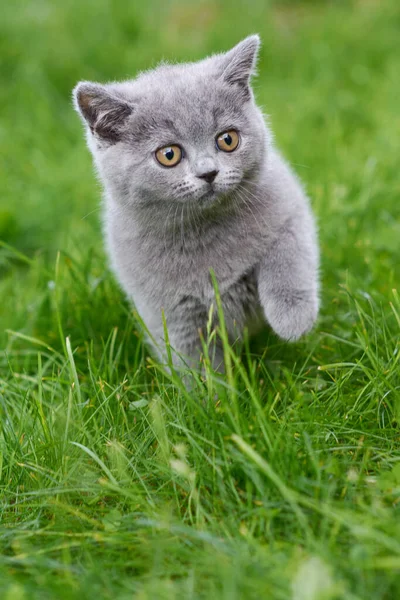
[[185, 324], [288, 280]]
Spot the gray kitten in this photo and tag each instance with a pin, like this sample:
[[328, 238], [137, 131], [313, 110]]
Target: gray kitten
[[192, 183]]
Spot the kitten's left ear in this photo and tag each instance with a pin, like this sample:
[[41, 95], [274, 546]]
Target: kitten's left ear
[[238, 64]]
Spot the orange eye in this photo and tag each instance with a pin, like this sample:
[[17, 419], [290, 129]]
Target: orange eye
[[169, 156], [228, 141]]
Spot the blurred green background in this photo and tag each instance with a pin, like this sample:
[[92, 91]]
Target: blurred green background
[[329, 81]]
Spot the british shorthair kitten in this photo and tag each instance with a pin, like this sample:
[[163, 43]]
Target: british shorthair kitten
[[193, 182]]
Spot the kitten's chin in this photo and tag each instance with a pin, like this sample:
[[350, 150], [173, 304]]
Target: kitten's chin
[[209, 197], [214, 195]]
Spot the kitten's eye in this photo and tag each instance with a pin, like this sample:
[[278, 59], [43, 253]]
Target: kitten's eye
[[228, 141], [169, 156]]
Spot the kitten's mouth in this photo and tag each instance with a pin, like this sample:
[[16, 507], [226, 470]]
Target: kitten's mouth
[[210, 194]]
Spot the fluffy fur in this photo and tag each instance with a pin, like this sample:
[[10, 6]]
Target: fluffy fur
[[166, 227]]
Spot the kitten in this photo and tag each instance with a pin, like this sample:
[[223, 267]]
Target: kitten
[[192, 183]]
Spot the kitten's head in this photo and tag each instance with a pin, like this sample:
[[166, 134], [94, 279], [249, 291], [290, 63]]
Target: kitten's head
[[185, 133]]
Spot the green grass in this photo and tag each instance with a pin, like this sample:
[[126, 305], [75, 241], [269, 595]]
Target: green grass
[[115, 482]]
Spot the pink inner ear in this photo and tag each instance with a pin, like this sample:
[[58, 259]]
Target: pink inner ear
[[84, 100]]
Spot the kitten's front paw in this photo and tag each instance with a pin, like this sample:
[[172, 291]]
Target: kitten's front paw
[[292, 313]]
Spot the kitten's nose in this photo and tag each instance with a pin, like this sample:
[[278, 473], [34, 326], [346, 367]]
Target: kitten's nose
[[209, 176]]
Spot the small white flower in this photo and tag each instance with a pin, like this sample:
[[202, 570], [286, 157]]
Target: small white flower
[[313, 581]]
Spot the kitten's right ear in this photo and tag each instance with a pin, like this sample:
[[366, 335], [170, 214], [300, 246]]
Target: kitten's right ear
[[102, 110]]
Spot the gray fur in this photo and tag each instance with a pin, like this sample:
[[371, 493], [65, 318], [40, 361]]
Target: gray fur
[[166, 227]]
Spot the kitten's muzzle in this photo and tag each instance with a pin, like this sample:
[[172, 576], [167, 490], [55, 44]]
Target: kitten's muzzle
[[209, 176]]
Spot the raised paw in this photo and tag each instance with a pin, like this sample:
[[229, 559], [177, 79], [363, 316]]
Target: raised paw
[[292, 313]]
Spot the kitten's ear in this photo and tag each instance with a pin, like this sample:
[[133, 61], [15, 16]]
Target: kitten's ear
[[103, 111], [238, 65]]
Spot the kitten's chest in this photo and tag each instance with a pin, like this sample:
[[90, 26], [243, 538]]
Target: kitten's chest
[[158, 270], [181, 265]]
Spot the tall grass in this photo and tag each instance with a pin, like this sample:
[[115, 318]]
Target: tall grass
[[280, 479]]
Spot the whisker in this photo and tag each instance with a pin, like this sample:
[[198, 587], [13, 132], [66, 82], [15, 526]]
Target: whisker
[[173, 224], [91, 212], [167, 222], [246, 198], [182, 230]]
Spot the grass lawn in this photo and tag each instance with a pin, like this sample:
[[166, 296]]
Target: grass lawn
[[115, 482]]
